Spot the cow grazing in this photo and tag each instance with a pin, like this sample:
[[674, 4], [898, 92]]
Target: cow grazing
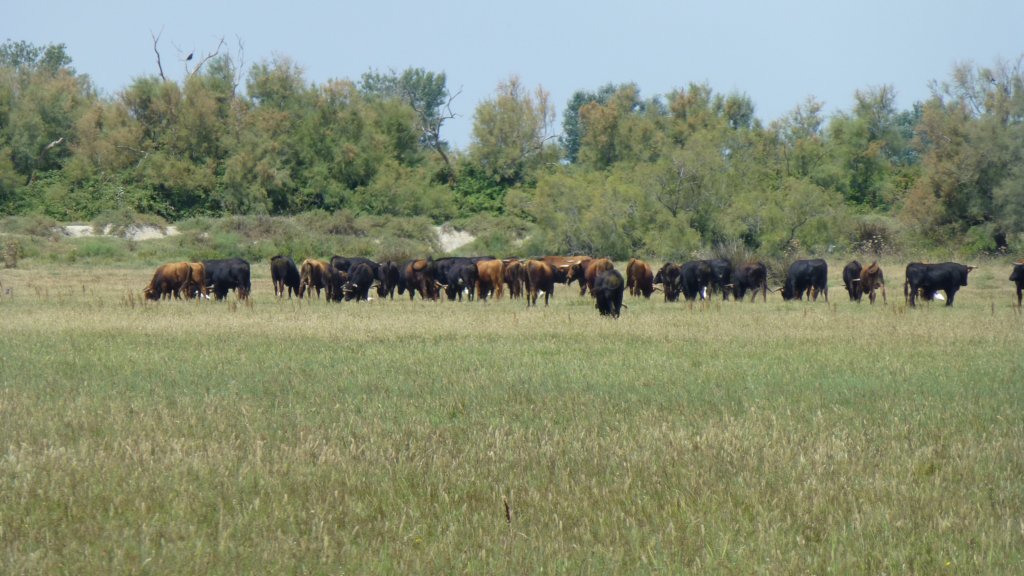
[[870, 281], [285, 274], [314, 275], [562, 264], [670, 278], [540, 277], [694, 279], [387, 278], [169, 280], [720, 276], [359, 279], [927, 279], [1017, 277], [586, 272], [851, 279], [418, 276], [228, 274], [513, 277], [457, 276], [639, 278], [607, 291], [344, 264], [197, 283], [808, 277], [491, 278], [750, 276]]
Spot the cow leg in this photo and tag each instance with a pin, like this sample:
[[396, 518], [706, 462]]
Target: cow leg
[[1019, 290], [950, 294], [884, 301]]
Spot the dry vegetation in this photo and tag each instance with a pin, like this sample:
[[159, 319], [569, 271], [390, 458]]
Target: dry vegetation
[[397, 437]]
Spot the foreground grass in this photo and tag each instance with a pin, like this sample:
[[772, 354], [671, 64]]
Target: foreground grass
[[401, 437]]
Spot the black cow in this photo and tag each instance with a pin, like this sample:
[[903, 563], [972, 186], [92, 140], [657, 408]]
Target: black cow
[[284, 274], [1017, 276], [851, 279], [670, 278], [608, 290], [927, 279], [806, 276], [694, 278], [360, 279], [227, 274], [335, 281], [417, 275], [459, 274], [344, 264], [387, 278], [750, 276], [720, 276]]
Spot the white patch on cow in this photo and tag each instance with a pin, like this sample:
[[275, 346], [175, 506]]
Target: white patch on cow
[[938, 297], [704, 293]]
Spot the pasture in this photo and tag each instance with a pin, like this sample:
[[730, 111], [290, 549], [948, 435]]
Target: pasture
[[435, 438]]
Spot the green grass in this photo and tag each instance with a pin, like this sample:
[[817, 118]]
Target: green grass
[[386, 437]]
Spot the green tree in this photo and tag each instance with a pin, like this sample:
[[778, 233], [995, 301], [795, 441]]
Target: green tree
[[427, 94], [622, 128], [512, 133], [972, 139]]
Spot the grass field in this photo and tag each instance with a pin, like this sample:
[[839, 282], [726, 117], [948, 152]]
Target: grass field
[[421, 438]]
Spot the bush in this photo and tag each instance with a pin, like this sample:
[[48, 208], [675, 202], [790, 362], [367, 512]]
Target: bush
[[31, 225]]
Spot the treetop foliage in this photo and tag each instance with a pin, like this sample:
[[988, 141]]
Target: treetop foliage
[[624, 174]]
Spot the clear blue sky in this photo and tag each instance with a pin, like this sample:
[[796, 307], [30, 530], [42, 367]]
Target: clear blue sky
[[776, 52]]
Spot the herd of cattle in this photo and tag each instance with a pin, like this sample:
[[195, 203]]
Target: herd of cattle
[[484, 277]]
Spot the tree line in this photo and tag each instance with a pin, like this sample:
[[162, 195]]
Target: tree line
[[624, 174]]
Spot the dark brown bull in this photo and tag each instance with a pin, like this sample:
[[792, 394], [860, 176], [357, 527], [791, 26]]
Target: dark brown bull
[[513, 277], [871, 279], [169, 280], [586, 272], [540, 276], [419, 277], [639, 278]]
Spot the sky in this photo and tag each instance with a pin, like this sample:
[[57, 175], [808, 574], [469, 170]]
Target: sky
[[777, 52]]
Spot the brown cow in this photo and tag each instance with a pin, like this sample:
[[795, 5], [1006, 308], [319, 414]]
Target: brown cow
[[562, 264], [639, 278], [168, 280], [314, 274], [586, 272], [539, 276], [490, 278], [513, 277], [871, 279], [197, 283]]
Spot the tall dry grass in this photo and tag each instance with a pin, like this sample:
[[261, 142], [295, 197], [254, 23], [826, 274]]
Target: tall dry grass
[[398, 437]]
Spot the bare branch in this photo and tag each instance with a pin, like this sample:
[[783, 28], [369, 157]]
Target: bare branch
[[156, 41], [203, 60]]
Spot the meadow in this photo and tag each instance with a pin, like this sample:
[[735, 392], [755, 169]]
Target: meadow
[[403, 437]]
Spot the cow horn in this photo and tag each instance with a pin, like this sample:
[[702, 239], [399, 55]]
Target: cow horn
[[855, 280]]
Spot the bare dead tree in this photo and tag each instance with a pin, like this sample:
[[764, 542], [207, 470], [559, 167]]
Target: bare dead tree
[[156, 49], [432, 130]]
